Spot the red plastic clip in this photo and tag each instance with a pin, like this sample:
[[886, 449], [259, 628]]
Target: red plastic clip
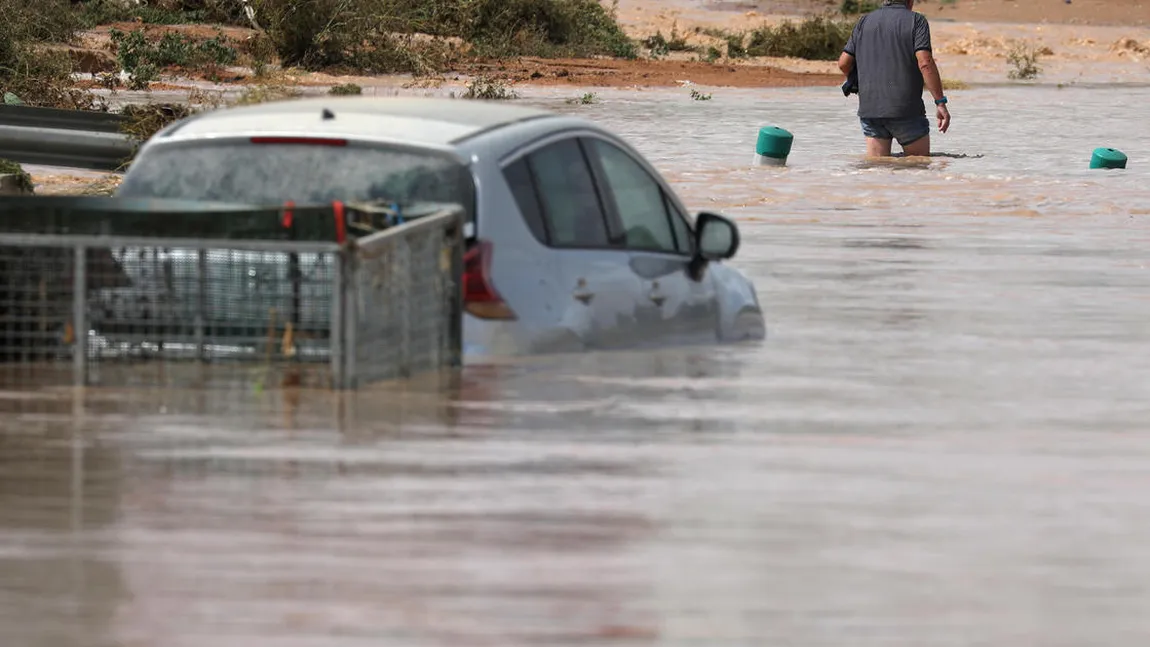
[[340, 222], [288, 216]]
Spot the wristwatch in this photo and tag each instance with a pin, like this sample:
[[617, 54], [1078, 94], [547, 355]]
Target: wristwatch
[[939, 102]]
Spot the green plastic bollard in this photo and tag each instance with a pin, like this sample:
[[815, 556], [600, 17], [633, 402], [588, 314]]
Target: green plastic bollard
[[1107, 158], [774, 146]]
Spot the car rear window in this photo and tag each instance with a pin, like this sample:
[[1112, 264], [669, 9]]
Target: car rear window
[[302, 173]]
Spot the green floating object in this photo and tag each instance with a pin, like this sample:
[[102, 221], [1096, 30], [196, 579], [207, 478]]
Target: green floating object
[[1107, 158], [774, 143]]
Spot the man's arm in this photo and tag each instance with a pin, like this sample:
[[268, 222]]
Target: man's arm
[[846, 63], [930, 75], [847, 58]]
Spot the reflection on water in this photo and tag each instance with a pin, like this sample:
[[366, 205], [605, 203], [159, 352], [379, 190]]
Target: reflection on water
[[941, 442]]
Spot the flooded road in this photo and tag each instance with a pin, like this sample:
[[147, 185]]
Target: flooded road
[[942, 441]]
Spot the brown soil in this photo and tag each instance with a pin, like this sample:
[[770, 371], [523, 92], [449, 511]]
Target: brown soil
[[1075, 12], [76, 184], [1082, 12], [648, 73]]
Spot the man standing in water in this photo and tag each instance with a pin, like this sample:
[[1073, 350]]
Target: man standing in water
[[890, 51]]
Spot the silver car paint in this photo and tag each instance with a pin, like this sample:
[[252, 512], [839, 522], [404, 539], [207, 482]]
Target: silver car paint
[[639, 298], [683, 310]]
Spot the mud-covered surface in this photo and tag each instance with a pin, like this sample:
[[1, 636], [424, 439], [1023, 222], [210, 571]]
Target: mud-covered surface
[[648, 73]]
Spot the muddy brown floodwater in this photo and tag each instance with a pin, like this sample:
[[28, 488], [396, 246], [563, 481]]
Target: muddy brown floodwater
[[942, 442]]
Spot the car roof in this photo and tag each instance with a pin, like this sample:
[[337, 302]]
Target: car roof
[[419, 121]]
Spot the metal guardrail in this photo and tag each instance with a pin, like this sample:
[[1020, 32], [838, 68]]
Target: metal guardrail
[[119, 311], [86, 120], [69, 138]]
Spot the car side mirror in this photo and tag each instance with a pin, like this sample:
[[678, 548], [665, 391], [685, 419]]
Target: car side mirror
[[716, 237]]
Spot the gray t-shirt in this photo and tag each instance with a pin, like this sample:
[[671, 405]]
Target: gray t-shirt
[[884, 44]]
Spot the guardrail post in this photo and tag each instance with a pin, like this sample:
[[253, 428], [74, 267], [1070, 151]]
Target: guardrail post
[[80, 317]]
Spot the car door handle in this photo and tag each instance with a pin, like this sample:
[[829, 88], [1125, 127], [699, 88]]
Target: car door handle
[[656, 295], [581, 292]]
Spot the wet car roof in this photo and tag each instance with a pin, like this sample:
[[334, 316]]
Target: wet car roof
[[434, 122]]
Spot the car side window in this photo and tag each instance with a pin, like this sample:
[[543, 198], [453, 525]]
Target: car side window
[[565, 188], [639, 200], [518, 176]]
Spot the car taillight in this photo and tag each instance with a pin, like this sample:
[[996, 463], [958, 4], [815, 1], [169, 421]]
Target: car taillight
[[480, 299]]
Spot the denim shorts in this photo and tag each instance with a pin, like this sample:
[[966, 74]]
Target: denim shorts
[[906, 130]]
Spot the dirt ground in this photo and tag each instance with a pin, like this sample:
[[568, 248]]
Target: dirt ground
[[620, 73], [1079, 12]]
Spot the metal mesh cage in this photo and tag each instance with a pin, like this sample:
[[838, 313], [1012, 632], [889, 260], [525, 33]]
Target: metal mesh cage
[[142, 310]]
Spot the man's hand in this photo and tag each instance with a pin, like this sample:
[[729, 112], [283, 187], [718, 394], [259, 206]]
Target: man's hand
[[943, 117]]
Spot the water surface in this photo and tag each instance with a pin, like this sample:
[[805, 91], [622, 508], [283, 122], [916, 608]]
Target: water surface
[[943, 441]]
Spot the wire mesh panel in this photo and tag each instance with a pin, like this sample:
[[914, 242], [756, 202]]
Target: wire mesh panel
[[263, 307], [156, 311], [36, 310], [81, 307], [405, 300]]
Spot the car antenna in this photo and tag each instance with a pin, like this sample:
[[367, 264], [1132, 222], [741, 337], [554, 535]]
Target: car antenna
[[328, 114]]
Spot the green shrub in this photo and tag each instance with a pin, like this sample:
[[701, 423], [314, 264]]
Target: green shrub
[[39, 21], [347, 89], [8, 167], [104, 12], [143, 59], [381, 35], [856, 7], [165, 12], [547, 28], [35, 75], [661, 45], [735, 47], [818, 38]]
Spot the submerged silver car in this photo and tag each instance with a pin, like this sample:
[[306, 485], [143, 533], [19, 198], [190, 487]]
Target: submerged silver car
[[574, 240]]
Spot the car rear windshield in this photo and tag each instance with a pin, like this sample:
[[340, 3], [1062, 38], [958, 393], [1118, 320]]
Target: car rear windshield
[[303, 173]]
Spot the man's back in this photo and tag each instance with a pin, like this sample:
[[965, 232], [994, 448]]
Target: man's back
[[884, 44]]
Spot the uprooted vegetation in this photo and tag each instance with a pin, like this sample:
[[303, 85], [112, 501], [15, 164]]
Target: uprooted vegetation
[[1023, 59], [487, 88]]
